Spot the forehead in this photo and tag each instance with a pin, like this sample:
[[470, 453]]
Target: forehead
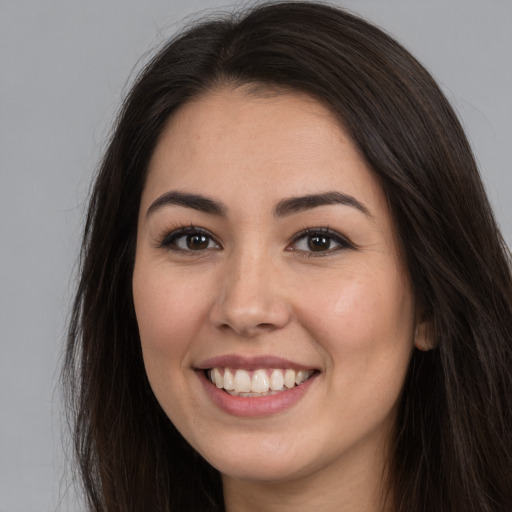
[[236, 142]]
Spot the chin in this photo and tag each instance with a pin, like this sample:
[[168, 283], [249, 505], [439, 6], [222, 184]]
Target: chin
[[265, 460], [277, 471]]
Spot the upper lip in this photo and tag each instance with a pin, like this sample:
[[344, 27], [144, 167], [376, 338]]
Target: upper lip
[[250, 363]]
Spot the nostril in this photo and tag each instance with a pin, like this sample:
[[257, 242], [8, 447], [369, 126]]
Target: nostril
[[249, 311], [266, 326], [249, 331]]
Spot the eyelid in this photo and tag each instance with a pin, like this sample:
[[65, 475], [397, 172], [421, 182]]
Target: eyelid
[[343, 241], [166, 240]]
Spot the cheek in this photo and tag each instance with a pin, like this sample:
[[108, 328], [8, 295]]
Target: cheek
[[169, 314], [364, 327], [364, 316]]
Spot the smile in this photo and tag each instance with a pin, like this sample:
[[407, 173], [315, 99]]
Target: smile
[[257, 383]]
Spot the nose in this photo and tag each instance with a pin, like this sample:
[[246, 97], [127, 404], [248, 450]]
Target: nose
[[251, 298]]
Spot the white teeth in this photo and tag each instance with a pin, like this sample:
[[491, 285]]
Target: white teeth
[[289, 378], [260, 382], [229, 380], [240, 382], [276, 380], [217, 378], [301, 376], [243, 382]]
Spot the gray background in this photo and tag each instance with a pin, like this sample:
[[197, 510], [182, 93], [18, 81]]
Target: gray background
[[64, 67]]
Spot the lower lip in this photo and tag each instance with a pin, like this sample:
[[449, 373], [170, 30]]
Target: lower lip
[[255, 406]]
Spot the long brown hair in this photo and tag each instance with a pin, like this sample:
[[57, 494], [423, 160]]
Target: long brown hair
[[453, 439]]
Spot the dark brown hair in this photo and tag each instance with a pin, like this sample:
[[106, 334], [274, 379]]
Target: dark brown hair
[[453, 440]]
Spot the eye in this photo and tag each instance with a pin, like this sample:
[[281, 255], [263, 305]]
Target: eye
[[319, 241], [189, 239]]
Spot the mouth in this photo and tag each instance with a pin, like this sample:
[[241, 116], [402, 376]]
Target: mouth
[[255, 386], [259, 382]]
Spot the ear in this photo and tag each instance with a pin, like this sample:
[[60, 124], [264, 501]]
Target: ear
[[424, 336]]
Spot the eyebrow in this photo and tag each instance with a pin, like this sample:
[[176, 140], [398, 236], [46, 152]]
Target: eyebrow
[[302, 203], [195, 201], [283, 208]]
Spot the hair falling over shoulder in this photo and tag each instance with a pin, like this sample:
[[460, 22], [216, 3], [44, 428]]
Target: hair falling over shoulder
[[453, 436]]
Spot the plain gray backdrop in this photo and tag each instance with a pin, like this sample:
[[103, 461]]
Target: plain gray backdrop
[[64, 68]]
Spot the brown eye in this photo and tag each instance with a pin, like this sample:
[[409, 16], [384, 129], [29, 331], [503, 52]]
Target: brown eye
[[197, 242], [189, 239], [319, 243]]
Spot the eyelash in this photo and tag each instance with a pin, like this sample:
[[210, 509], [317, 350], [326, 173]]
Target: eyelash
[[169, 241], [322, 232]]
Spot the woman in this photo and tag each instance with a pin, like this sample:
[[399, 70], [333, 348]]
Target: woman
[[293, 292]]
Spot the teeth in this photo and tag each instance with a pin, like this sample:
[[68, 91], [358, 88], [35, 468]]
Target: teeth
[[301, 376], [289, 378], [229, 380], [240, 382], [217, 378], [260, 382], [276, 380], [243, 382]]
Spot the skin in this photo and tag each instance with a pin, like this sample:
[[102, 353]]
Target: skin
[[347, 311]]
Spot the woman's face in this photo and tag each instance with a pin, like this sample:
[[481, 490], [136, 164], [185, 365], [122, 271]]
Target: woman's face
[[266, 255]]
